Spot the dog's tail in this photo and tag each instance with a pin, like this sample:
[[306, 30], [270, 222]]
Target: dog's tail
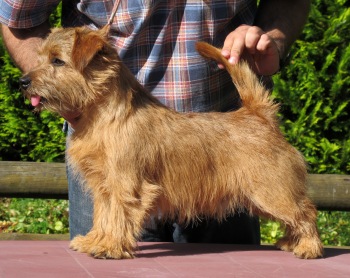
[[253, 94]]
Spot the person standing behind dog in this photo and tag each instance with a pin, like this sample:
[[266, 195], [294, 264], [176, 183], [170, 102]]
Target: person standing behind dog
[[156, 40]]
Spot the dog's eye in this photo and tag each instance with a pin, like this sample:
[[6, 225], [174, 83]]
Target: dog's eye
[[57, 62]]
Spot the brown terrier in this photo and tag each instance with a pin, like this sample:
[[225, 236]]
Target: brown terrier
[[135, 154]]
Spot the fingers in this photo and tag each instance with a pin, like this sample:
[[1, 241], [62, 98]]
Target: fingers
[[265, 44], [244, 38], [234, 45], [253, 39], [257, 47]]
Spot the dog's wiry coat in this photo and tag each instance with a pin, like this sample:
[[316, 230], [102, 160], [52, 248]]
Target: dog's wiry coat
[[136, 155]]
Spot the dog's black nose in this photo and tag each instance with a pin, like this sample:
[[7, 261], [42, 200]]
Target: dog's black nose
[[25, 82]]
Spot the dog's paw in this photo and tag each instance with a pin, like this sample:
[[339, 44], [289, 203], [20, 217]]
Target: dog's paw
[[285, 244], [100, 248], [304, 248], [308, 248], [80, 244], [101, 251]]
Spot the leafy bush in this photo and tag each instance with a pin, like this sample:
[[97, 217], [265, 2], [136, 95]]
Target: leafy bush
[[34, 216], [315, 87], [23, 135], [334, 229]]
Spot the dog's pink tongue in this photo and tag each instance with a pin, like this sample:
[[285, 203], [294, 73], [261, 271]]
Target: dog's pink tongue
[[35, 100]]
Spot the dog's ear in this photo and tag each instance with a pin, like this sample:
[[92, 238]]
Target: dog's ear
[[86, 44]]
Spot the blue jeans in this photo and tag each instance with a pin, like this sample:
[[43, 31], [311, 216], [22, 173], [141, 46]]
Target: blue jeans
[[237, 229]]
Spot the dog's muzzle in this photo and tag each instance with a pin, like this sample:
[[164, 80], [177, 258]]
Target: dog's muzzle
[[36, 100]]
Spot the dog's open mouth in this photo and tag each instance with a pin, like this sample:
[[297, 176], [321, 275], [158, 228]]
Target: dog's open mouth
[[36, 100]]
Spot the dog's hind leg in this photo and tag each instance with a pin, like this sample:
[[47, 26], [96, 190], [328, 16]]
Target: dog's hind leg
[[299, 218], [301, 235]]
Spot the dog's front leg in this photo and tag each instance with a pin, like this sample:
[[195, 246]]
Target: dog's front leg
[[112, 235], [118, 218]]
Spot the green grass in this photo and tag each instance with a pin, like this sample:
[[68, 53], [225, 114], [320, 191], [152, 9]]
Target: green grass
[[51, 217], [34, 216], [334, 228]]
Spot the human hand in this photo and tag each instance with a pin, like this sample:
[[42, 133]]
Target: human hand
[[255, 46]]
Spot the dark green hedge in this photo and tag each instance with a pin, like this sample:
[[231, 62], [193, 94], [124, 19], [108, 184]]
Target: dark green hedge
[[23, 134], [313, 90]]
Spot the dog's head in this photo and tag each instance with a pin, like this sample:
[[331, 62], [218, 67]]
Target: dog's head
[[74, 70]]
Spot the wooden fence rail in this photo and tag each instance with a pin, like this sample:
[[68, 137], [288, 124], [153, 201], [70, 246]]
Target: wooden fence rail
[[48, 180], [33, 180]]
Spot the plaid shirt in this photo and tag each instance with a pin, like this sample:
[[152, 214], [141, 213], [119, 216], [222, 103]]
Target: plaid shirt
[[156, 40]]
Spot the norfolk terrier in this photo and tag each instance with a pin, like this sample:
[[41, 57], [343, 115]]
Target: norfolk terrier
[[136, 155]]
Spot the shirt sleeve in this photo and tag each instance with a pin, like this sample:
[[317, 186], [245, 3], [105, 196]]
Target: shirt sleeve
[[25, 13]]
